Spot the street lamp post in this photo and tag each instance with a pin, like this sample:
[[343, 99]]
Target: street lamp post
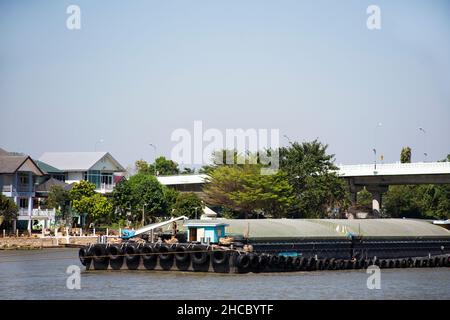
[[379, 124], [154, 161], [375, 158], [425, 154]]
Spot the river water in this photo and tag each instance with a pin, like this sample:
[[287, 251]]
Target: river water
[[41, 274]]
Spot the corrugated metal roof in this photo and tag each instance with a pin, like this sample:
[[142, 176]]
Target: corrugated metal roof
[[205, 223], [46, 186], [182, 179], [75, 161], [333, 228], [47, 168]]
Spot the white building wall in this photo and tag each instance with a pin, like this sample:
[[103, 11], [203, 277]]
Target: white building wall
[[74, 177], [104, 164]]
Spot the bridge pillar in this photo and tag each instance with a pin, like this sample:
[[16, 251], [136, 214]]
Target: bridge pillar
[[377, 192], [353, 189]]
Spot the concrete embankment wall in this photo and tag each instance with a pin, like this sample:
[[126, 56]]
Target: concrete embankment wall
[[45, 242]]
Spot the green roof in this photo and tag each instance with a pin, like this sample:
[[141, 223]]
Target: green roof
[[47, 168]]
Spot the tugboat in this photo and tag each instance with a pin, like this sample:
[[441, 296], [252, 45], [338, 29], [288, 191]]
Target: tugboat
[[276, 245]]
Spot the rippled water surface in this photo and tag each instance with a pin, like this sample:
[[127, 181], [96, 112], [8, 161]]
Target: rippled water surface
[[42, 275]]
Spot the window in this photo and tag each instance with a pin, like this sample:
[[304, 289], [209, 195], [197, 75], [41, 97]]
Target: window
[[107, 178], [23, 179], [23, 203], [58, 176]]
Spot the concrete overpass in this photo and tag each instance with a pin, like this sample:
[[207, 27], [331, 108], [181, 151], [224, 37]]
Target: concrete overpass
[[376, 179]]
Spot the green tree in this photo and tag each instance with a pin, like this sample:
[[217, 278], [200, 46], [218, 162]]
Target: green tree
[[364, 199], [161, 166], [8, 210], [271, 195], [142, 192], [434, 200], [59, 198], [242, 190], [170, 195], [82, 189], [402, 201], [405, 155], [142, 167], [121, 199], [187, 204], [421, 201], [164, 167], [85, 200], [310, 171], [188, 171], [97, 207]]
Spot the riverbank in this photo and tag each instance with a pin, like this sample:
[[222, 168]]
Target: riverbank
[[34, 243]]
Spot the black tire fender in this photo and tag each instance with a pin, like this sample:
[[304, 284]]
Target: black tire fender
[[114, 252], [199, 256], [219, 256], [84, 256], [243, 261], [273, 260], [181, 254], [165, 253], [148, 252], [98, 253]]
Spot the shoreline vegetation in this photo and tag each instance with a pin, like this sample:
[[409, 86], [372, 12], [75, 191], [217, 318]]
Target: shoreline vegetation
[[305, 186]]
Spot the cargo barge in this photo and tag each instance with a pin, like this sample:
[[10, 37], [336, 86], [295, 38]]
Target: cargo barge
[[278, 245]]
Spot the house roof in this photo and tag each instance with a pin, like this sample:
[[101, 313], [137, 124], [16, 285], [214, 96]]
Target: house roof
[[3, 152], [46, 186], [10, 164], [205, 223], [47, 168], [76, 161], [183, 179]]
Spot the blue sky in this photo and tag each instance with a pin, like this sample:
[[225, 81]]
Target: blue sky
[[138, 70]]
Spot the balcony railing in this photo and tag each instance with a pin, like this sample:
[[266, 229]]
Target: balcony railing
[[20, 188], [106, 187], [7, 188], [38, 213]]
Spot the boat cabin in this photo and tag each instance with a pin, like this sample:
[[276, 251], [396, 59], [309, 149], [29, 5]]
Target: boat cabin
[[205, 231]]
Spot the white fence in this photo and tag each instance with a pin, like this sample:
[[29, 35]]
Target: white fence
[[38, 213]]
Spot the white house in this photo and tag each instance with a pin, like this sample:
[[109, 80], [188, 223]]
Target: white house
[[100, 168]]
